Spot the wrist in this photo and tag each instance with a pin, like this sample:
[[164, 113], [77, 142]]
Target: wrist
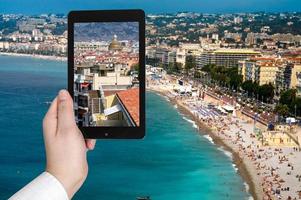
[[71, 183]]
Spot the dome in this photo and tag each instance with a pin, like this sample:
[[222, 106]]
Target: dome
[[115, 45]]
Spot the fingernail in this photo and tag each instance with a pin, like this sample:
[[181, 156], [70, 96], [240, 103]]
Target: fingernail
[[63, 95]]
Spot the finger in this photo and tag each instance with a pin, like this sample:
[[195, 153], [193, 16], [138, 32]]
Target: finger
[[50, 120], [90, 143], [66, 118]]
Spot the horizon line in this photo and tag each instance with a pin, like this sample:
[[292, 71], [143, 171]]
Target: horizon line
[[160, 13]]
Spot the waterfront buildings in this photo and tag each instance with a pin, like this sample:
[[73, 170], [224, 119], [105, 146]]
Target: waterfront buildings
[[282, 73], [224, 57], [266, 73], [261, 70], [288, 77]]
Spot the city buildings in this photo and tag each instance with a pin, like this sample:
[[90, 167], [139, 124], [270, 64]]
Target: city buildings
[[261, 70], [224, 57], [288, 77], [106, 85], [225, 40], [282, 73]]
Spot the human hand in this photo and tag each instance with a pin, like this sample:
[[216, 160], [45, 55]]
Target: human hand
[[66, 148]]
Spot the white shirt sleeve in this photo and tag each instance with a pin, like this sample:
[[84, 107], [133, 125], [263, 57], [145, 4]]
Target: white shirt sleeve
[[44, 187]]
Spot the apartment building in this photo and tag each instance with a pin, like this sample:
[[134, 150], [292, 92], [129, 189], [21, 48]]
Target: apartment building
[[224, 57]]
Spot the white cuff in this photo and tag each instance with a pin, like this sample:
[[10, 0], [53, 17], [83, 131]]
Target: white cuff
[[44, 187]]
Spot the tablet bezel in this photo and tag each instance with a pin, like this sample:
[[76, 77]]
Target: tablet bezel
[[110, 16]]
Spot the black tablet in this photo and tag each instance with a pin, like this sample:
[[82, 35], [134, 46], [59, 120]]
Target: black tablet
[[106, 72]]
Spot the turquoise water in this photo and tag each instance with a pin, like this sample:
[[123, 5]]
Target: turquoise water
[[172, 162]]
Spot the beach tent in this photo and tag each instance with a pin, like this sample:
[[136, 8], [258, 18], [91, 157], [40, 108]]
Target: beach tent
[[194, 92], [221, 110], [228, 108], [290, 120], [182, 90], [188, 89], [234, 113]]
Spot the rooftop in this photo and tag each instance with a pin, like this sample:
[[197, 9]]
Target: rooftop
[[130, 99], [237, 51], [262, 58]]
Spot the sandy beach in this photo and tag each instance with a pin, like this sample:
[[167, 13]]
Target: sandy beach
[[37, 56], [270, 172]]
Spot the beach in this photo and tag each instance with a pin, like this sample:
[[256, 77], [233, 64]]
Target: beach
[[37, 56], [270, 172]]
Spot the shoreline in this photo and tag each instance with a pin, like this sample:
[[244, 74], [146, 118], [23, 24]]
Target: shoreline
[[35, 56], [244, 168]]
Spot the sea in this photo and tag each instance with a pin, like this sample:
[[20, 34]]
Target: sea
[[174, 161]]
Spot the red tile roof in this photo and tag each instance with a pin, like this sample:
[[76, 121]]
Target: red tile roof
[[130, 100], [110, 92]]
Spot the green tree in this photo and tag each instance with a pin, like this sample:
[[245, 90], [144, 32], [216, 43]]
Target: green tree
[[296, 106], [178, 67], [135, 67], [250, 87], [282, 110], [266, 92], [287, 97], [189, 63], [234, 77], [174, 67], [208, 68]]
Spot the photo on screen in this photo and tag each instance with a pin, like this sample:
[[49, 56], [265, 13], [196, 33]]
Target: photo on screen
[[106, 74]]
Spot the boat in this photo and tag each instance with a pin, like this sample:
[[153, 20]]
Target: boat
[[47, 102], [143, 198]]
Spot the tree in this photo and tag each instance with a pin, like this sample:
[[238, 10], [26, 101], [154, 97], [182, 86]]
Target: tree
[[174, 67], [178, 67], [135, 67], [282, 110], [235, 79], [290, 99], [296, 106], [207, 68], [266, 92], [249, 86], [288, 96], [170, 68], [189, 63]]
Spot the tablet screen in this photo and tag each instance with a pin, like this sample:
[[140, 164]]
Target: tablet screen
[[106, 74]]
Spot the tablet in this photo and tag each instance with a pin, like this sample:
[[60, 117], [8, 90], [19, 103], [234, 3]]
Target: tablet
[[106, 72]]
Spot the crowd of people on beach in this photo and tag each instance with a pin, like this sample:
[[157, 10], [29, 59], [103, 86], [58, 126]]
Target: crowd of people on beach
[[276, 169], [270, 162]]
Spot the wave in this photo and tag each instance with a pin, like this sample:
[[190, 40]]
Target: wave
[[235, 168], [194, 125], [227, 153], [159, 94], [250, 197], [247, 187], [166, 98], [209, 138], [175, 106]]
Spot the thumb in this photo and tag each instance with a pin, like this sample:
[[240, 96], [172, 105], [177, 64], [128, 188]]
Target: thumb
[[66, 118]]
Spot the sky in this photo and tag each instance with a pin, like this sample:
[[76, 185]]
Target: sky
[[150, 6]]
